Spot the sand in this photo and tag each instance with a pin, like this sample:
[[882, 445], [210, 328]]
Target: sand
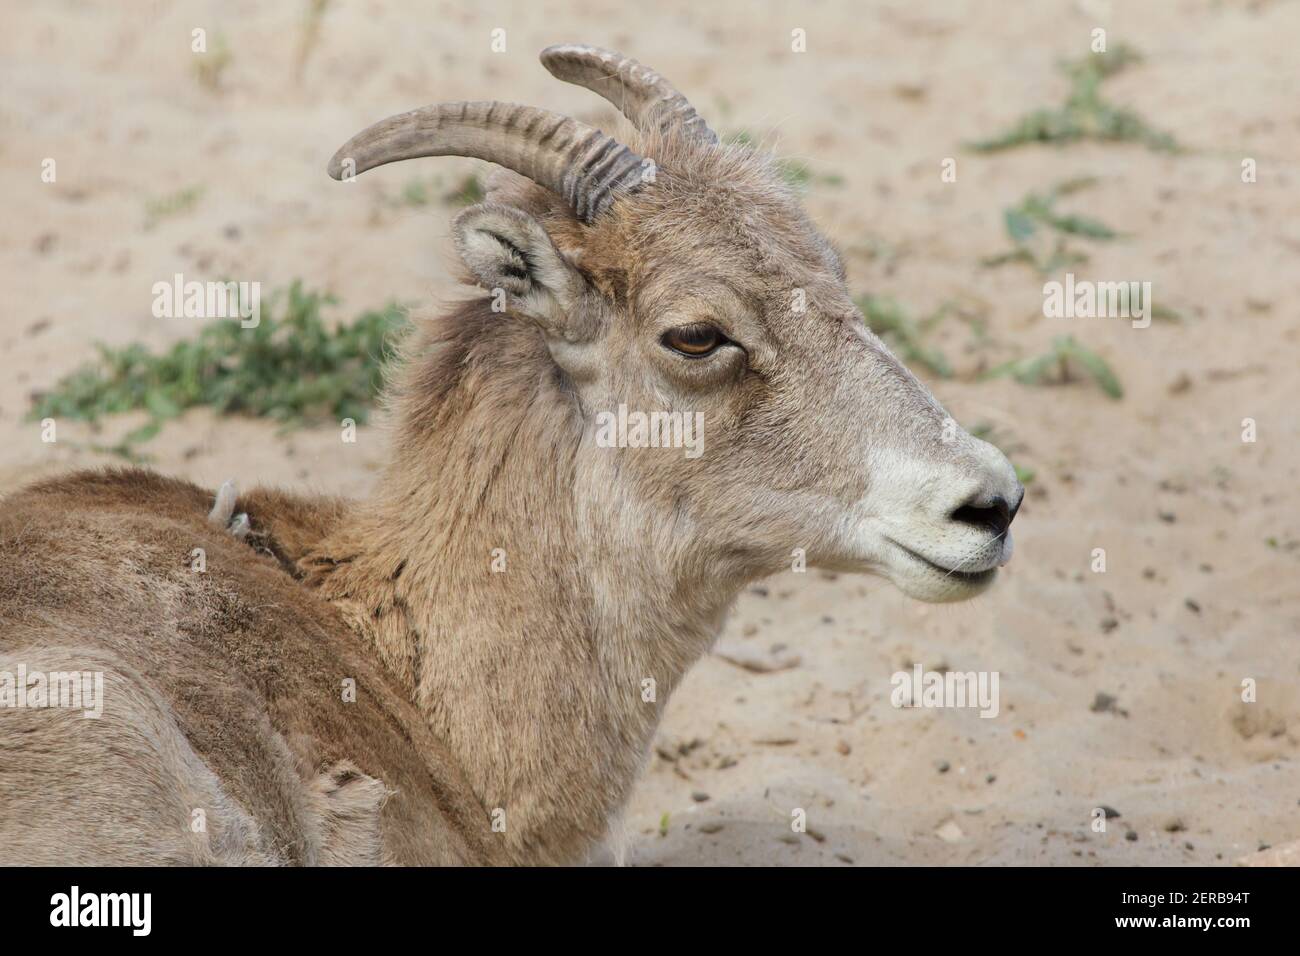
[[1200, 529]]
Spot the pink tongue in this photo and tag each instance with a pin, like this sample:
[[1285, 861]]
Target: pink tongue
[[1007, 549]]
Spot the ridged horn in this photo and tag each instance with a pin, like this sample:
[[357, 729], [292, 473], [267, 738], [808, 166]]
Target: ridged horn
[[644, 97], [577, 161]]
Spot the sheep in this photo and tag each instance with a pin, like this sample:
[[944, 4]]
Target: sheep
[[469, 665]]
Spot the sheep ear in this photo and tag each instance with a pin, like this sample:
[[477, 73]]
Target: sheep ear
[[507, 251]]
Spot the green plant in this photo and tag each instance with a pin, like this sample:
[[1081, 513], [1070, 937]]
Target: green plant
[[1037, 230], [887, 319], [417, 193], [985, 431], [795, 173], [291, 367], [212, 64], [466, 193], [424, 192], [309, 36], [1057, 364], [906, 335], [172, 204], [1085, 114]]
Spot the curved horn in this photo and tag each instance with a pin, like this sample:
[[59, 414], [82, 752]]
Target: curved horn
[[645, 97], [577, 161]]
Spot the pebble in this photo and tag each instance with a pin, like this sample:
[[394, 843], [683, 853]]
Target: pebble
[[949, 832], [1105, 703]]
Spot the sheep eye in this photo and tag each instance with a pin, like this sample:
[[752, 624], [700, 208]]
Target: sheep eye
[[694, 341]]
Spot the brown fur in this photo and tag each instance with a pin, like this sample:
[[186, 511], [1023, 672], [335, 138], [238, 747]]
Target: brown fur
[[223, 694], [515, 697]]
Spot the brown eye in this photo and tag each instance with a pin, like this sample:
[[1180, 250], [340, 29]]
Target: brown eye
[[694, 341]]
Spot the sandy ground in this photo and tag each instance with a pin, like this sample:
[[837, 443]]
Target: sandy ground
[[1201, 530]]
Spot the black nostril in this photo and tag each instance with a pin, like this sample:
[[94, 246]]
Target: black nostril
[[1020, 498], [995, 516]]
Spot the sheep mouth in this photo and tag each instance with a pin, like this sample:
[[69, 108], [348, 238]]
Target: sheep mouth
[[956, 574]]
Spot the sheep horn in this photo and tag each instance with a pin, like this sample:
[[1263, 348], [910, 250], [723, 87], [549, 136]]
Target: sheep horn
[[577, 161], [644, 97]]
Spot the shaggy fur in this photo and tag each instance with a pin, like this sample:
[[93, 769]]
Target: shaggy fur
[[223, 693], [514, 604]]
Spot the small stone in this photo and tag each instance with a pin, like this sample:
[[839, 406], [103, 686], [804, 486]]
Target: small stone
[[1131, 836], [699, 796], [1105, 703], [949, 832]]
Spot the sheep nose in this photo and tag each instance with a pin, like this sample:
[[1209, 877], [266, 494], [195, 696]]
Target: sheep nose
[[995, 513]]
